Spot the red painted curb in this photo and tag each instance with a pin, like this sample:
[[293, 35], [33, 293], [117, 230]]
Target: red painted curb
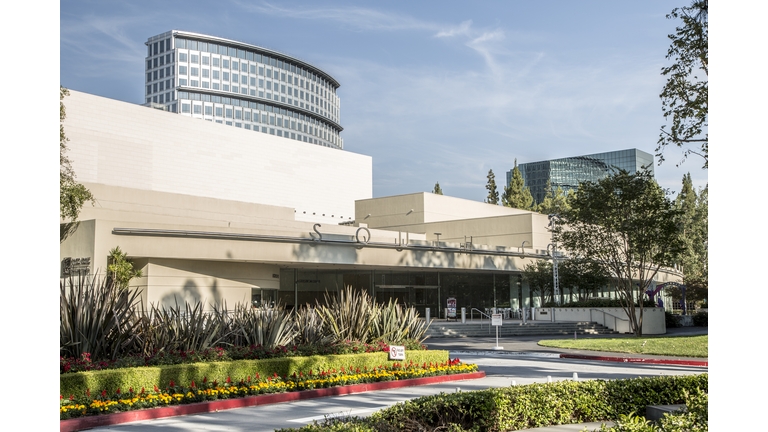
[[638, 360], [81, 423]]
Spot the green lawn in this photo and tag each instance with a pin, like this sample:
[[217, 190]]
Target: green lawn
[[693, 346]]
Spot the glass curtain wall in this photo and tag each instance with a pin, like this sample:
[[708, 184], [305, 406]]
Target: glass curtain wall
[[420, 289]]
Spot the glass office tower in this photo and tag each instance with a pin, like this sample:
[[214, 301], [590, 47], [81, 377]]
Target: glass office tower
[[566, 173], [242, 85]]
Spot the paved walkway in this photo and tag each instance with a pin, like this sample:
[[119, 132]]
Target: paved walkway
[[529, 344], [538, 364]]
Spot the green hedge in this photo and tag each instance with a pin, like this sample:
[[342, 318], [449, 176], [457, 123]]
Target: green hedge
[[148, 377], [527, 406]]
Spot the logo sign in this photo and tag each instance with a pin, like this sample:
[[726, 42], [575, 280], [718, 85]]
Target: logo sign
[[396, 352], [496, 319], [451, 307]]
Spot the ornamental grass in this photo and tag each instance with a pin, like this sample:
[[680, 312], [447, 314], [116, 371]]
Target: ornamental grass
[[88, 404]]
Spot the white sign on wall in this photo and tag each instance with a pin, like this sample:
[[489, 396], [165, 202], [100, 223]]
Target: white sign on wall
[[396, 352]]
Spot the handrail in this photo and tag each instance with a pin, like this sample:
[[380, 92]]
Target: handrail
[[606, 313], [481, 320]]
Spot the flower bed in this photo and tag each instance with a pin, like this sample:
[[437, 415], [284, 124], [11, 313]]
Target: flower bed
[[174, 357], [209, 390], [110, 380]]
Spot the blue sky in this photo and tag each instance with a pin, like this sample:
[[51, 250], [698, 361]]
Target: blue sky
[[433, 91]]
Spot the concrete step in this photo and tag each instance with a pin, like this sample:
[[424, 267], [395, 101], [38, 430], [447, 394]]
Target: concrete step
[[516, 329]]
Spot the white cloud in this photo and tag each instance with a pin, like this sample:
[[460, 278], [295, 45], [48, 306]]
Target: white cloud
[[461, 29]]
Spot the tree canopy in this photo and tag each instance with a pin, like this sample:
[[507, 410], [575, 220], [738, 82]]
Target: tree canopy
[[694, 233], [540, 279], [627, 225], [493, 193], [516, 195], [120, 269], [684, 99], [555, 201], [437, 190], [72, 195]]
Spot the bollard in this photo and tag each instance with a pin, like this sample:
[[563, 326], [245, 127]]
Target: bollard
[[463, 315], [549, 379], [574, 335], [428, 314], [514, 383], [458, 389], [575, 376]]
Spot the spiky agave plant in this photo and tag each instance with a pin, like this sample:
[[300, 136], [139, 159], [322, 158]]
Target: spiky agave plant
[[348, 316], [269, 327], [310, 327], [187, 328], [97, 317], [395, 324]]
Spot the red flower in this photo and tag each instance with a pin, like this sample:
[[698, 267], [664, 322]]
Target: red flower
[[205, 380], [103, 393], [88, 392], [228, 380]]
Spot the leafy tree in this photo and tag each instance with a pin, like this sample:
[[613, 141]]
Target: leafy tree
[[540, 279], [627, 225], [437, 190], [516, 195], [694, 223], [684, 98], [493, 193], [555, 201], [72, 195], [582, 276], [120, 269]]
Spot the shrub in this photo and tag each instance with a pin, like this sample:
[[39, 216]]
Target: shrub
[[700, 319], [524, 407], [183, 374], [671, 320]]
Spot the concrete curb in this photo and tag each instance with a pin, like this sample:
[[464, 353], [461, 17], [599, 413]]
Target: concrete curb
[[580, 357], [81, 423], [502, 353], [638, 360]]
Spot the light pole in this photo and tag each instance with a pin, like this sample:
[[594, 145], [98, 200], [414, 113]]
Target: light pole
[[556, 280]]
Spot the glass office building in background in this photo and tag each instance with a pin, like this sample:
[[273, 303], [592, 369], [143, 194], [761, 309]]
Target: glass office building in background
[[566, 173]]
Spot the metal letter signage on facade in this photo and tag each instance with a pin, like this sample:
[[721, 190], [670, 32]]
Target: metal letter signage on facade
[[396, 352], [73, 266], [365, 240], [319, 235]]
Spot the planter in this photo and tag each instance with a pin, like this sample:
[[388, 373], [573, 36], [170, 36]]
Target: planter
[[82, 423]]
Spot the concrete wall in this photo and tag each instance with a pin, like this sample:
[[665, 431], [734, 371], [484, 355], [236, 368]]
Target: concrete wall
[[395, 211], [653, 318], [121, 144], [455, 219]]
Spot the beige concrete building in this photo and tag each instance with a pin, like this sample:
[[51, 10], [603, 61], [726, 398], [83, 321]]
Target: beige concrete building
[[222, 215]]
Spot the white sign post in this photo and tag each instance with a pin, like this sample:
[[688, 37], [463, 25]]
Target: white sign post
[[496, 322]]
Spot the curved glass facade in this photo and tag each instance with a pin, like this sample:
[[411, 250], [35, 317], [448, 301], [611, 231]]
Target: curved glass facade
[[242, 85], [566, 173]]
